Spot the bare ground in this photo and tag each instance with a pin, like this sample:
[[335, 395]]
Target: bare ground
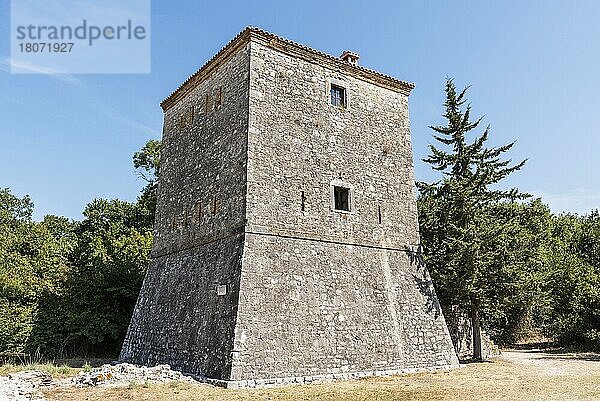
[[516, 375]]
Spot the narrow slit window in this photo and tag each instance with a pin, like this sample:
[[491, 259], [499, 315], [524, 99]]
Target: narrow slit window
[[207, 103], [338, 95], [341, 198], [218, 96]]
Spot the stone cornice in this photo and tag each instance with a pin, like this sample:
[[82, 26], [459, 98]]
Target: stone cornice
[[293, 49]]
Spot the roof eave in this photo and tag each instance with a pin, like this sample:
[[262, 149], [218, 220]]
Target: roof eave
[[290, 47]]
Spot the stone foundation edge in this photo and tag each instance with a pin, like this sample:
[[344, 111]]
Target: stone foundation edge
[[322, 378]]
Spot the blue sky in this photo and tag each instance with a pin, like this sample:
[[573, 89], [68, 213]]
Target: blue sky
[[533, 66]]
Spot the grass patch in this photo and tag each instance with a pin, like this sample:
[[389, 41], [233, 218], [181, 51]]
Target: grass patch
[[57, 371], [58, 368]]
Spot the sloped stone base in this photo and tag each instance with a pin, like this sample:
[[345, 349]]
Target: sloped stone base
[[325, 378]]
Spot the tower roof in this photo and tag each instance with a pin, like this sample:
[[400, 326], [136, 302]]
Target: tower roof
[[289, 47]]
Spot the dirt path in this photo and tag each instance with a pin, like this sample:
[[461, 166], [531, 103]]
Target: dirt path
[[556, 364]]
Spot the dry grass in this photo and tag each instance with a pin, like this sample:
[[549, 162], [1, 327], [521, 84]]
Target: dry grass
[[58, 369], [513, 377]]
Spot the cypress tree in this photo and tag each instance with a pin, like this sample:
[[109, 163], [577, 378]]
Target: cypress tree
[[455, 223]]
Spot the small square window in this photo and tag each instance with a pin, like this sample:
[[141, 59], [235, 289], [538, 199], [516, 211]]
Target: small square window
[[222, 289], [341, 198], [338, 95]]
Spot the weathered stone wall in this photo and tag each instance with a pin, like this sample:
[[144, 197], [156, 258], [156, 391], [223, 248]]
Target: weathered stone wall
[[325, 292], [180, 318], [308, 308], [203, 160], [298, 142]]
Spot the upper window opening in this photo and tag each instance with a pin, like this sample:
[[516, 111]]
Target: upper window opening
[[341, 199], [338, 95]]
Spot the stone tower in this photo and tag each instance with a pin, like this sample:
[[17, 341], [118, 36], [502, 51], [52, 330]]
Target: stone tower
[[286, 232]]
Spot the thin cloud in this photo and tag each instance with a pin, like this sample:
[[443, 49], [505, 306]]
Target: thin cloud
[[96, 104], [25, 67], [110, 112]]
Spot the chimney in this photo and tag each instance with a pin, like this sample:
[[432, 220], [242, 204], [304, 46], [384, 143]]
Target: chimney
[[350, 57]]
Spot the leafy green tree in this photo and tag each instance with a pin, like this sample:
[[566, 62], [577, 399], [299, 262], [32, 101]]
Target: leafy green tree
[[49, 328], [111, 259], [69, 287], [147, 164], [515, 303], [91, 312], [147, 161], [458, 231], [17, 282], [33, 263], [573, 282]]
